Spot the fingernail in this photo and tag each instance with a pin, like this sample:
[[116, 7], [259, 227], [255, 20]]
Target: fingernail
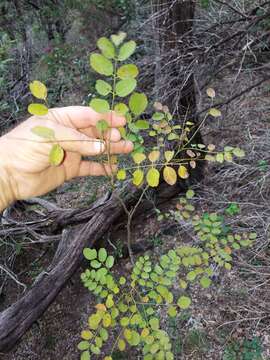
[[130, 144], [99, 146]]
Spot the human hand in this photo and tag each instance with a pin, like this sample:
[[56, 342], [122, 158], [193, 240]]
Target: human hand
[[25, 170]]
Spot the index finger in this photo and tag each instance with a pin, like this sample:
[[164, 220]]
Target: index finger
[[81, 117]]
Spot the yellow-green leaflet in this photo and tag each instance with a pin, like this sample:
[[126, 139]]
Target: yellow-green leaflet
[[37, 109], [38, 89], [56, 155], [152, 177]]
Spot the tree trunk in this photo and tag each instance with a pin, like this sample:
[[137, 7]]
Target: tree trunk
[[175, 76], [174, 23]]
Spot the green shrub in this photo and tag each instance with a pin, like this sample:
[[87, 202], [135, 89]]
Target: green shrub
[[244, 350]]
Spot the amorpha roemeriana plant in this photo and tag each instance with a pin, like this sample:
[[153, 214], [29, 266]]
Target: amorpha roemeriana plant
[[149, 285]]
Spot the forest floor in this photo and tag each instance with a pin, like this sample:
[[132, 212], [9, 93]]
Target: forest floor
[[236, 307]]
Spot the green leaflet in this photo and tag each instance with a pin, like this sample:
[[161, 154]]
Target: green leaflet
[[43, 132], [103, 88], [38, 109], [100, 105], [56, 155], [106, 47], [101, 64], [126, 50], [152, 177], [138, 103], [38, 89], [125, 87], [128, 71]]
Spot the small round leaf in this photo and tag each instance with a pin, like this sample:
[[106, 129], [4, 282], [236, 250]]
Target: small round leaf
[[121, 345], [138, 176], [138, 103], [154, 155], [184, 302], [38, 89], [85, 355], [126, 50], [56, 155], [169, 175], [100, 105], [38, 109], [43, 132], [125, 87], [102, 254], [121, 108], [128, 71], [83, 345], [101, 64], [119, 38], [121, 174], [106, 47], [103, 88], [90, 254], [182, 172], [138, 158], [215, 112], [109, 262], [211, 92], [168, 155], [152, 177]]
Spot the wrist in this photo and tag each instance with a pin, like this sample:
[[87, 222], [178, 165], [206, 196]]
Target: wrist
[[6, 193]]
